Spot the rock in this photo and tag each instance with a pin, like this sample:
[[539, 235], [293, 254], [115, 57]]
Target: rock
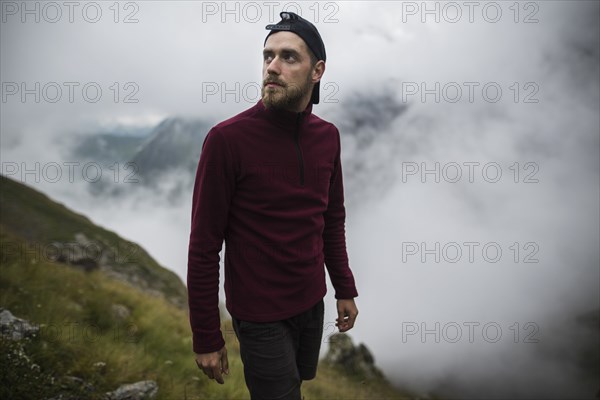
[[120, 311], [354, 360], [143, 390], [15, 328], [82, 252]]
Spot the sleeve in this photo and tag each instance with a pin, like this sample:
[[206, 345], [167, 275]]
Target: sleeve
[[213, 189], [334, 234]]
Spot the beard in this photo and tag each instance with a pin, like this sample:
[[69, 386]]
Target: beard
[[285, 96]]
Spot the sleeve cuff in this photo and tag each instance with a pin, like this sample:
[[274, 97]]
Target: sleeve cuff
[[208, 345], [346, 294]]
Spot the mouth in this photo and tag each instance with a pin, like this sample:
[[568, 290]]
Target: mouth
[[273, 84]]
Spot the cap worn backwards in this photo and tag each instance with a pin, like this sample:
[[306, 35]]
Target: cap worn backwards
[[308, 32]]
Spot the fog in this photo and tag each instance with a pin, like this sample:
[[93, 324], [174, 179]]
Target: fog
[[473, 220]]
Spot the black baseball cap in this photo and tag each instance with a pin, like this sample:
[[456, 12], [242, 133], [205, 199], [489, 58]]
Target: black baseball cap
[[308, 32]]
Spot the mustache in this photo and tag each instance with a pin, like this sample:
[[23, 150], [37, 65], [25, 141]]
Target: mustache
[[272, 80]]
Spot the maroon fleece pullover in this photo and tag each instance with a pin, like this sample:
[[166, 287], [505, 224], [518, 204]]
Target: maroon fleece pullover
[[269, 184]]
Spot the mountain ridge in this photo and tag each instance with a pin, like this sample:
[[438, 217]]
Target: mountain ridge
[[59, 234]]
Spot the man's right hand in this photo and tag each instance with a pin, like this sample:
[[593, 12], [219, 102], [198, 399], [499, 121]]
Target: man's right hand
[[214, 364]]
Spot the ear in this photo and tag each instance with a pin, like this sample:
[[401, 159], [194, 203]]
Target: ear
[[318, 71]]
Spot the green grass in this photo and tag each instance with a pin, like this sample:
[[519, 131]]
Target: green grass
[[79, 328]]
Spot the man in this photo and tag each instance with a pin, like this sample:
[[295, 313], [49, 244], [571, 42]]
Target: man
[[269, 183]]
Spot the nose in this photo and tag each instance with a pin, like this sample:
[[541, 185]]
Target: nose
[[273, 68]]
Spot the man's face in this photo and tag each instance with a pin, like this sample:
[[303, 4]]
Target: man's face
[[287, 72]]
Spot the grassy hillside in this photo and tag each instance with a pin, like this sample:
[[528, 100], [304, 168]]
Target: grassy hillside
[[55, 233], [100, 328]]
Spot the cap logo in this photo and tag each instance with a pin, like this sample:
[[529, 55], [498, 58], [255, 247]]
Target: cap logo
[[279, 27]]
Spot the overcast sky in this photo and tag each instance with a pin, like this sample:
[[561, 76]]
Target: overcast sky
[[176, 51], [541, 135]]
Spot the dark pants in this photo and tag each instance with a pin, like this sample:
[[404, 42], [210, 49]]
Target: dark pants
[[279, 355]]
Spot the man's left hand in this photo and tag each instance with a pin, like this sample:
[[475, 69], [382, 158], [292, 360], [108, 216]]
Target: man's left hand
[[347, 313]]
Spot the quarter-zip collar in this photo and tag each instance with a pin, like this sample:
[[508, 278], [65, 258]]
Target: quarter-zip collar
[[284, 118]]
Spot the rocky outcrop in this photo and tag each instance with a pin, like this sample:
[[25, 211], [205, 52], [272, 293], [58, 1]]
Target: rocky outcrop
[[74, 388], [15, 328], [354, 360], [68, 387], [143, 390]]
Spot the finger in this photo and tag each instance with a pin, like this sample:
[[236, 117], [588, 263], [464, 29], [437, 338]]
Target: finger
[[216, 371], [225, 362], [203, 369], [342, 325], [341, 320]]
